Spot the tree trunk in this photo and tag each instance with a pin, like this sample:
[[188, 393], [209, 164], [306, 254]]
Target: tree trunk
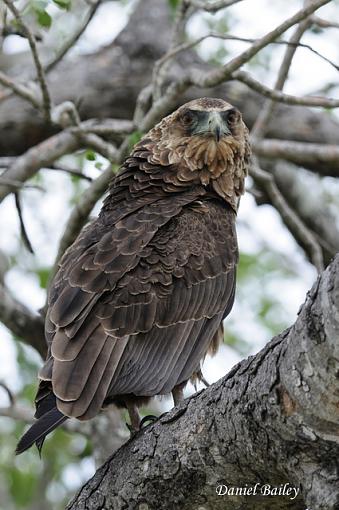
[[272, 421]]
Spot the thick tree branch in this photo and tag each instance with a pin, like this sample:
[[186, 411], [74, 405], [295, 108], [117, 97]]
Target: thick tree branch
[[26, 325], [86, 134], [322, 159], [272, 420]]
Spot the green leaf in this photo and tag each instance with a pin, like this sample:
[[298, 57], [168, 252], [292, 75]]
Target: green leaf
[[63, 4], [22, 485], [90, 155], [43, 275], [134, 138], [173, 4], [43, 18]]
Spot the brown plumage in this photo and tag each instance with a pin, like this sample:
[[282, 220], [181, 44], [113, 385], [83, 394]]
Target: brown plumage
[[141, 294]]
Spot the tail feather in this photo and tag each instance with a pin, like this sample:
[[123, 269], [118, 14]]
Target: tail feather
[[39, 430]]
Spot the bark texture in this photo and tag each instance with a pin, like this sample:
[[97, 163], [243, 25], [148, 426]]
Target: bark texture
[[274, 419]]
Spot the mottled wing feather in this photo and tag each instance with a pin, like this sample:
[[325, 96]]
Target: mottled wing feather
[[139, 297]]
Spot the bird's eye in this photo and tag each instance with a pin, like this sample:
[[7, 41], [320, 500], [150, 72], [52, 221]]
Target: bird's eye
[[232, 116], [187, 118]]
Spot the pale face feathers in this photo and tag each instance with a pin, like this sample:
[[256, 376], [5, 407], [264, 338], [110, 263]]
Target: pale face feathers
[[206, 141]]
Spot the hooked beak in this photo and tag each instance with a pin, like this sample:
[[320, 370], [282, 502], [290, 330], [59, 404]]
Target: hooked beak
[[217, 126]]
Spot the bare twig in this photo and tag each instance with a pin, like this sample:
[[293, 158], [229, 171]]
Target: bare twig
[[159, 72], [323, 23], [293, 222], [280, 97], [217, 76], [212, 6], [9, 393], [74, 38], [110, 127], [290, 218], [17, 412], [312, 207], [99, 145], [24, 235], [19, 185], [8, 161], [25, 414], [174, 51], [261, 124], [32, 43], [70, 171], [212, 78], [20, 90]]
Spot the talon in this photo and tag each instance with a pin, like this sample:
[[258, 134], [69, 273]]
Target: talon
[[149, 418], [131, 429]]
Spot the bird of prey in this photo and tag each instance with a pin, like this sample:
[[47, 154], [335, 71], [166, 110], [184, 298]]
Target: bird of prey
[[140, 296]]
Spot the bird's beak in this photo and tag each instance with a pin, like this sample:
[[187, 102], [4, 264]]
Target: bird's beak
[[216, 125]]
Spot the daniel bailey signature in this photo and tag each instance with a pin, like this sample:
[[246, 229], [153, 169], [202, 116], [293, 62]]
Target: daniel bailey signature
[[259, 489]]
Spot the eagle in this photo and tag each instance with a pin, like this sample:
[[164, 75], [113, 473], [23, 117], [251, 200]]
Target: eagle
[[140, 296]]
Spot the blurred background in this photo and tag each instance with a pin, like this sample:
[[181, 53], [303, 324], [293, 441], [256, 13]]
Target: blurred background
[[274, 271]]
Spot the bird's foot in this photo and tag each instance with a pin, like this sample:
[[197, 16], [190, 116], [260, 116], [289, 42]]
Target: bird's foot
[[132, 430]]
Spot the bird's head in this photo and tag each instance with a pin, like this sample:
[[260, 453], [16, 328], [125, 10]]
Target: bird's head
[[206, 141], [211, 120]]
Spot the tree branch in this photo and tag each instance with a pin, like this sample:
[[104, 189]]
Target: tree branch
[[312, 207], [272, 420], [23, 323], [320, 158], [41, 155], [212, 6], [291, 219], [40, 71], [219, 75], [20, 90], [74, 38], [280, 97]]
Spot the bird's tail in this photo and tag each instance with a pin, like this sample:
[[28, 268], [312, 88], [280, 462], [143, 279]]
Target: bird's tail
[[39, 430]]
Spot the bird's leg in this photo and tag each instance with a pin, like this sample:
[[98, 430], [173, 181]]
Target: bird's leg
[[178, 394], [202, 379], [134, 416]]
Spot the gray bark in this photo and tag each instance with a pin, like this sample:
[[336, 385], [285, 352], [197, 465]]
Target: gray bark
[[273, 419], [107, 83]]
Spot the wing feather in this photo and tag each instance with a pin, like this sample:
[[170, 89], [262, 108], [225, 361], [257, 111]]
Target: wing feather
[[130, 312]]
